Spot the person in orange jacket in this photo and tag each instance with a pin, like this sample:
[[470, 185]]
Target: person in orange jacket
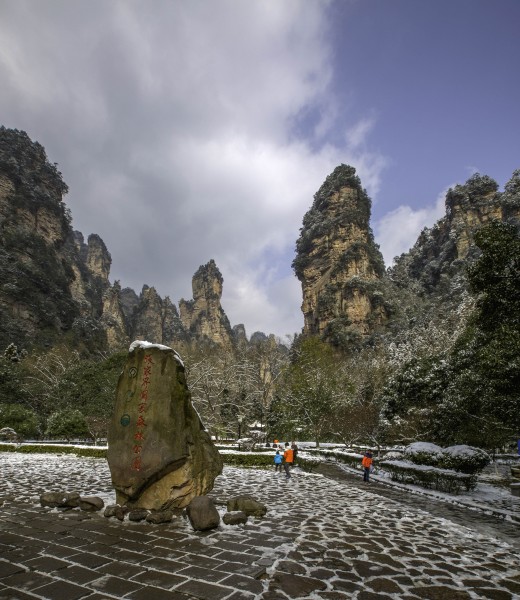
[[288, 459], [367, 465]]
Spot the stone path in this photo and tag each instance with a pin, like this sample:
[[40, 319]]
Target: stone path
[[321, 539]]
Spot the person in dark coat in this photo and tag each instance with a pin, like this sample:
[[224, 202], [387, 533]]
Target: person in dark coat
[[295, 452]]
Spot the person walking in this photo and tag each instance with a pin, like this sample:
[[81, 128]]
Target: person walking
[[367, 465], [288, 459], [278, 458], [295, 452]]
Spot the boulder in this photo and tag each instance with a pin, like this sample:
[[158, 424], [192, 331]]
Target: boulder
[[236, 517], [71, 500], [248, 505], [52, 499], [203, 514], [159, 454], [137, 514], [160, 516], [91, 503], [114, 510]]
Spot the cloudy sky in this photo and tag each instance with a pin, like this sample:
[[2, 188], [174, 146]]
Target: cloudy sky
[[195, 129]]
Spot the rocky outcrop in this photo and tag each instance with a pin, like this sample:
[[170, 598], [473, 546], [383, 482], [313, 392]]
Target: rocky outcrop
[[113, 319], [438, 260], [159, 454], [203, 317], [338, 263], [157, 319]]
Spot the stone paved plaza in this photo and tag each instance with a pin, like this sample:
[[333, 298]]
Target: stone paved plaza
[[322, 538]]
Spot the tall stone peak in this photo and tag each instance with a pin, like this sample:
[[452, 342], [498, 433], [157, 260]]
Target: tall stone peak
[[203, 317], [98, 257], [55, 283], [338, 263]]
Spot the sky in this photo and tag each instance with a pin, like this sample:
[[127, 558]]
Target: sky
[[197, 130]]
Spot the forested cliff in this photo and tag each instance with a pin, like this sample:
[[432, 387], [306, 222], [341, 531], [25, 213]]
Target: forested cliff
[[56, 288]]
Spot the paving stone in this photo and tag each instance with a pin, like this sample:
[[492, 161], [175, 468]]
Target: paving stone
[[155, 593], [163, 564], [159, 579], [202, 574], [438, 592], [114, 585], [369, 569], [203, 590], [7, 569], [13, 594], [345, 585], [91, 561], [365, 595], [296, 586], [120, 569], [494, 594], [289, 566], [62, 590], [27, 580], [77, 574], [243, 583], [382, 584], [207, 562], [513, 586], [254, 571], [47, 564]]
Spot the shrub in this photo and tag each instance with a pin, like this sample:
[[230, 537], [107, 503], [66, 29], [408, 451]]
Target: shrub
[[429, 477], [423, 453], [351, 459], [465, 459]]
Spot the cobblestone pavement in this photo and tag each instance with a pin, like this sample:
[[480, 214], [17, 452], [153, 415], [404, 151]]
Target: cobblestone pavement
[[321, 539]]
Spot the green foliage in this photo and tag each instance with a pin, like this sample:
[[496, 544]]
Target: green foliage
[[464, 459], [11, 381], [469, 393], [35, 274], [66, 424], [476, 188], [23, 420], [315, 386], [50, 449], [495, 277], [25, 163], [90, 385]]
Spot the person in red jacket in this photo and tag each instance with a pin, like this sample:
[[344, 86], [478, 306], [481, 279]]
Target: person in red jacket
[[288, 459], [367, 465]]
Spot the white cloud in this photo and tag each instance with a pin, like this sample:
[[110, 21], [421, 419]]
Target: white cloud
[[173, 124], [397, 231]]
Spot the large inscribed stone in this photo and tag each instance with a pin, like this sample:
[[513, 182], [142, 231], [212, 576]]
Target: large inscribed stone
[[159, 454]]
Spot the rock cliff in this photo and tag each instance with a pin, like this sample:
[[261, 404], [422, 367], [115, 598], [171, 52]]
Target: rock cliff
[[338, 263], [437, 262], [347, 295], [54, 284], [203, 317]]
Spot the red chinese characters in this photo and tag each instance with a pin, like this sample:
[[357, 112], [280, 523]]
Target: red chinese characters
[[139, 435]]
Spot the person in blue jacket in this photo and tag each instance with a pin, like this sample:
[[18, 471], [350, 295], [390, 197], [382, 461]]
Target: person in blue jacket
[[278, 461]]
